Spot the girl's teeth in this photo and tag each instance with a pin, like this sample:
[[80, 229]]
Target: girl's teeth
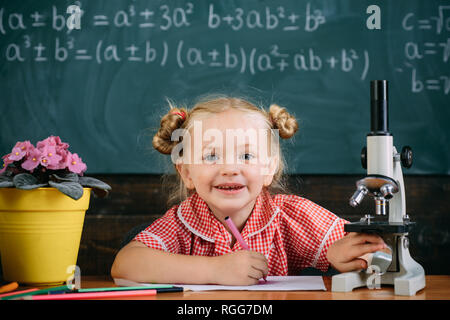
[[227, 188]]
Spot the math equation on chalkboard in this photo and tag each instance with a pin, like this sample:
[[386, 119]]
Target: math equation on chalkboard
[[275, 37]]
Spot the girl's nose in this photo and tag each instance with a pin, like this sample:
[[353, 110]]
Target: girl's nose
[[229, 170]]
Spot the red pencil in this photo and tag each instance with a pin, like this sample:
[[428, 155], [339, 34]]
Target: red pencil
[[92, 295]]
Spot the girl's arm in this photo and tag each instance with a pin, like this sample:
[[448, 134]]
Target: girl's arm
[[139, 263]]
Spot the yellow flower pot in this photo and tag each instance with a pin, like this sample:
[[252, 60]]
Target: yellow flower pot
[[40, 233]]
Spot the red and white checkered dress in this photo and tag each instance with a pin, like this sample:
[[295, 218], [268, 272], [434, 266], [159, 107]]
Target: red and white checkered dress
[[292, 232]]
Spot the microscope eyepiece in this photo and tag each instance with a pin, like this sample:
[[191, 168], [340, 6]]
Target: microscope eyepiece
[[379, 122]]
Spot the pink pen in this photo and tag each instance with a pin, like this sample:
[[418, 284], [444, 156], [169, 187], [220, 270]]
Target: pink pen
[[237, 235]]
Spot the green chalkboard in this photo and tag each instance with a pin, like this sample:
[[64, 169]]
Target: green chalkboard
[[102, 88]]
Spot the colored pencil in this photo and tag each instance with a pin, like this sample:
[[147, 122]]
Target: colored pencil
[[92, 295], [41, 291], [6, 296], [155, 287], [236, 233], [159, 289], [173, 289], [9, 287], [238, 236]]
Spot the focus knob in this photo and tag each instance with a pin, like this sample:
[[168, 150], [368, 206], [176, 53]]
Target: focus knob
[[406, 157], [364, 157]]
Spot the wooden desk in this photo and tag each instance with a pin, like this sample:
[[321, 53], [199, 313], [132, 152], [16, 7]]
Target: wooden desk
[[437, 288]]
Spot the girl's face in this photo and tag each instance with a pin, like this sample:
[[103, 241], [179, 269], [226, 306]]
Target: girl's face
[[228, 162]]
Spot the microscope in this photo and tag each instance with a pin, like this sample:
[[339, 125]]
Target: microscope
[[384, 182]]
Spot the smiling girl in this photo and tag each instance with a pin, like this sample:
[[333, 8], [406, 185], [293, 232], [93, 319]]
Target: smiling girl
[[221, 177]]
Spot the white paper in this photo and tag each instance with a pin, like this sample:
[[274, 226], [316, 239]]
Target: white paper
[[274, 283]]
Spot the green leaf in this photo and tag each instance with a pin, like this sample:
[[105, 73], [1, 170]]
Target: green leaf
[[6, 181], [26, 181], [67, 176], [99, 188], [69, 188]]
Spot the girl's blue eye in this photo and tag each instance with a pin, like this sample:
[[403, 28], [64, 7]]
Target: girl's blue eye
[[210, 157], [247, 156]]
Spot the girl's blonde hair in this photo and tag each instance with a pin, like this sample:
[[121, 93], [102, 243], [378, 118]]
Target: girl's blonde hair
[[182, 118]]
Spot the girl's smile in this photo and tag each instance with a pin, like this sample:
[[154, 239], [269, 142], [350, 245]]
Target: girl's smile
[[230, 188]]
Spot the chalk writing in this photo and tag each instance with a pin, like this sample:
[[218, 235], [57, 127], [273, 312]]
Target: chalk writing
[[416, 52], [183, 53]]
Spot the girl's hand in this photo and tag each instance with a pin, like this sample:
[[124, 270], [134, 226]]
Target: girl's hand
[[244, 267], [346, 254]]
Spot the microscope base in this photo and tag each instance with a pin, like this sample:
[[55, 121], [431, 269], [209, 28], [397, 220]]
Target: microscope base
[[406, 285], [409, 278]]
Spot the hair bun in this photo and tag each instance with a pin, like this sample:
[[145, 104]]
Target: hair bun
[[283, 121], [174, 119]]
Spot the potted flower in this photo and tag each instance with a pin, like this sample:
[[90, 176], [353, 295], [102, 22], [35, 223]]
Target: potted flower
[[43, 199]]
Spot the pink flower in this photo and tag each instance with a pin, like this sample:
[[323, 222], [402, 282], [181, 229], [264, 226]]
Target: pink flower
[[20, 150], [25, 145], [51, 153], [17, 154], [54, 153], [75, 164], [60, 144], [32, 160], [6, 162], [50, 158], [52, 141], [63, 153]]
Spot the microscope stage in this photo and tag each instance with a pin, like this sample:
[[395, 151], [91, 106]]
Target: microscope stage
[[379, 227]]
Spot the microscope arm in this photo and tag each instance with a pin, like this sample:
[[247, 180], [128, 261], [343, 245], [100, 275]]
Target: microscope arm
[[397, 205]]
